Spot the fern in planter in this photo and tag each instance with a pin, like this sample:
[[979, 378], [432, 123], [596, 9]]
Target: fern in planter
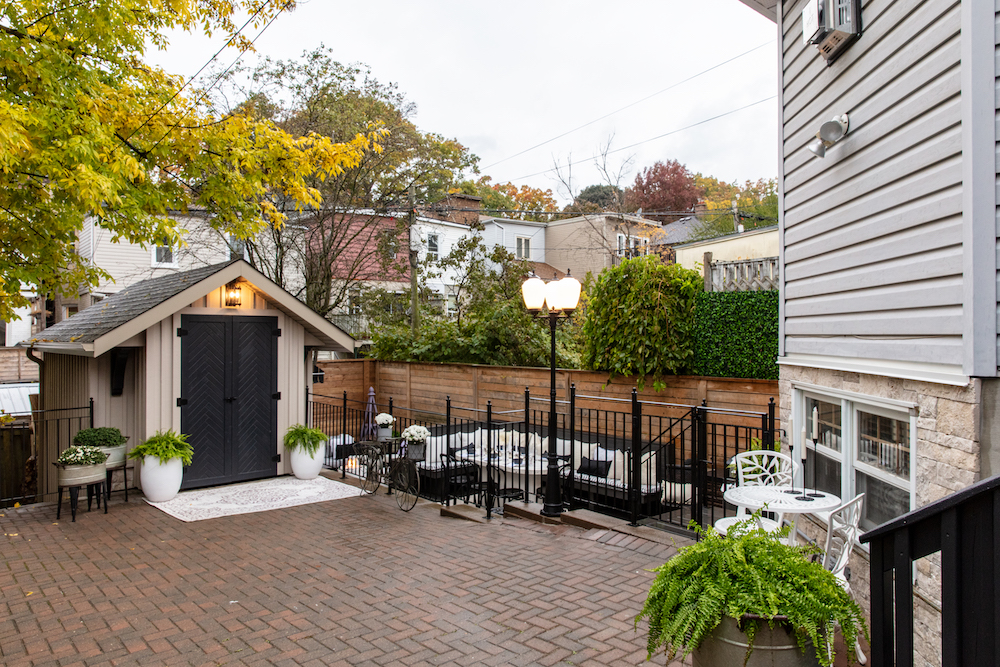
[[165, 445], [751, 576], [308, 439]]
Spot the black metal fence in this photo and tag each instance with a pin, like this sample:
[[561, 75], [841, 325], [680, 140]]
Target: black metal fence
[[656, 463], [23, 439], [965, 528]]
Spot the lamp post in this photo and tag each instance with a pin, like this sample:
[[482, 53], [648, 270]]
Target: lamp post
[[559, 298]]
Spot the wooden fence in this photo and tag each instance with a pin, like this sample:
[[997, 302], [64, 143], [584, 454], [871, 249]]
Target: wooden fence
[[16, 367], [424, 387], [745, 275]]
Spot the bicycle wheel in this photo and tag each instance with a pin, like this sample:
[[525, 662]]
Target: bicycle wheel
[[371, 459], [406, 484]]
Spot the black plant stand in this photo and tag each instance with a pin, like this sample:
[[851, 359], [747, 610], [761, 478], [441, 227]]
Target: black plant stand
[[98, 489]]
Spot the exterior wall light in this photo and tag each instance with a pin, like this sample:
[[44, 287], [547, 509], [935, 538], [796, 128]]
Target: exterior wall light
[[233, 295], [829, 133]]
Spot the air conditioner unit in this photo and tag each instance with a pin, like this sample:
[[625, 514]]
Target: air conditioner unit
[[831, 24], [843, 25]]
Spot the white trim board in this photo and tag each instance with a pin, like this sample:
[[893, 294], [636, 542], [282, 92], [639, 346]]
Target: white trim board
[[907, 370]]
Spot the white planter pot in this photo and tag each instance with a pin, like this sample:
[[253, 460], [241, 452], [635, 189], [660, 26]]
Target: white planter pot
[[116, 455], [161, 481], [384, 433], [80, 475], [305, 466]]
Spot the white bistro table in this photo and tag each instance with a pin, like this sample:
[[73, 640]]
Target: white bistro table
[[776, 499]]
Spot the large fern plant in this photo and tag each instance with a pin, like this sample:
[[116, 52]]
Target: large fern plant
[[753, 577]]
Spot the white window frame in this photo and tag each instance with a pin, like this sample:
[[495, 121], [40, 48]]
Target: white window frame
[[172, 264], [850, 405], [522, 248], [432, 255], [236, 243]]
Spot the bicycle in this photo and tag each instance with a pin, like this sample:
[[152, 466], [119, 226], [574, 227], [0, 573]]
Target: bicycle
[[400, 475]]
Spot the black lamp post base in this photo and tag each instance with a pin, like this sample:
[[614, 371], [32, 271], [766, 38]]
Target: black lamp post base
[[551, 510]]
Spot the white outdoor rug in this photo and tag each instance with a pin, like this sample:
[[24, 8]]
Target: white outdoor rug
[[260, 496]]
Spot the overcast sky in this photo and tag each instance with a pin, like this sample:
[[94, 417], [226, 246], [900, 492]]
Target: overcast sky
[[504, 77]]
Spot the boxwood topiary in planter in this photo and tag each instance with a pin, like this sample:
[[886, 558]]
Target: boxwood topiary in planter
[[750, 576], [102, 436]]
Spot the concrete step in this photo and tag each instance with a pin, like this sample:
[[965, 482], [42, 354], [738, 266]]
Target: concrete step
[[465, 512]]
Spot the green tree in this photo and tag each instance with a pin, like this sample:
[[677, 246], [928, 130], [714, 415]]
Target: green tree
[[604, 197], [641, 320], [756, 206], [340, 240], [89, 129]]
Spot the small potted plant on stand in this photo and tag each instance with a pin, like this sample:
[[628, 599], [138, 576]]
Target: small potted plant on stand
[[415, 437], [163, 458], [79, 465], [724, 596], [305, 450], [108, 438], [384, 421]]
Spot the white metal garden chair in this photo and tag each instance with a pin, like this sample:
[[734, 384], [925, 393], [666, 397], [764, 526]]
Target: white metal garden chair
[[760, 467], [841, 535]]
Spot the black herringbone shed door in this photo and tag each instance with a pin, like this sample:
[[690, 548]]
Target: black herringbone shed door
[[229, 379]]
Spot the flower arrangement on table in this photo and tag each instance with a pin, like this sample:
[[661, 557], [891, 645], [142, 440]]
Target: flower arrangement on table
[[415, 433], [81, 455], [384, 419]]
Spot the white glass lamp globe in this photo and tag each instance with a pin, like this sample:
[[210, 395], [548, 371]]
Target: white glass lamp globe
[[533, 293]]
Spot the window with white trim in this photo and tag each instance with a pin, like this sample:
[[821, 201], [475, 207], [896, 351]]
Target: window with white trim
[[164, 256], [523, 250], [432, 247], [861, 447]]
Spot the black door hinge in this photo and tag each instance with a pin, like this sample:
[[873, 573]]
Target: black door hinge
[[277, 333], [181, 401], [182, 332], [276, 458], [276, 396]]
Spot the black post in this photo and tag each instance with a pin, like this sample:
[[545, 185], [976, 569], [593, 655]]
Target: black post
[[771, 421], [700, 463], [446, 482], [390, 405], [553, 491], [635, 459], [343, 440], [489, 460], [91, 412]]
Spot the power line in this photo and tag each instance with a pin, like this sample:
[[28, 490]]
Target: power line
[[628, 106], [646, 141]]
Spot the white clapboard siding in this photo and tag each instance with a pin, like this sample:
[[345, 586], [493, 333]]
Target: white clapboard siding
[[996, 116], [873, 233]]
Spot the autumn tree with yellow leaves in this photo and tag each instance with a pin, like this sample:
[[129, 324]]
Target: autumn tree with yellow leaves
[[88, 129]]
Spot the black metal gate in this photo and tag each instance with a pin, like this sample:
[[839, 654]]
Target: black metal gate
[[229, 384]]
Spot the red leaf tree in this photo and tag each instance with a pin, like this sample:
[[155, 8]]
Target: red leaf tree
[[663, 190]]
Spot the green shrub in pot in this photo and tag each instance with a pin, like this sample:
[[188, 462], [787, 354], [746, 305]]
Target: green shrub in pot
[[753, 577], [102, 436], [163, 457]]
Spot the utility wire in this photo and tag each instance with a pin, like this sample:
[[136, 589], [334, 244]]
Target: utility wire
[[628, 106], [646, 141]]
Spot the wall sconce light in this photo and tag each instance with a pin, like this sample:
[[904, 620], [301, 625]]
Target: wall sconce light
[[829, 133], [233, 295]]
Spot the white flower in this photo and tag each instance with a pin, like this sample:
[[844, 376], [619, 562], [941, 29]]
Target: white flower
[[415, 433], [384, 419]]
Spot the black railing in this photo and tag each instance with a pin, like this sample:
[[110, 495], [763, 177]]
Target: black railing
[[659, 463], [965, 528], [23, 439]]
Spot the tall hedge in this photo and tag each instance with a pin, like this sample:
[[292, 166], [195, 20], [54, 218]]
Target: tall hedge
[[640, 320], [736, 334]]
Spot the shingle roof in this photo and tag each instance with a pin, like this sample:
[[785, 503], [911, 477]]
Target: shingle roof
[[678, 231], [91, 323]]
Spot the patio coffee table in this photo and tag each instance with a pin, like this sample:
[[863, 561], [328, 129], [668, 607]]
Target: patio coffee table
[[777, 499]]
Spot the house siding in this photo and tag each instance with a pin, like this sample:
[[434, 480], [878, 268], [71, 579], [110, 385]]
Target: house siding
[[65, 382], [873, 233], [996, 143]]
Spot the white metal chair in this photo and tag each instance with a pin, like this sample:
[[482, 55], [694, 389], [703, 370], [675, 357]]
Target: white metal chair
[[841, 535], [759, 467]]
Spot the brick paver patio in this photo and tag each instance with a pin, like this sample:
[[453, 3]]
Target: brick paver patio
[[348, 582]]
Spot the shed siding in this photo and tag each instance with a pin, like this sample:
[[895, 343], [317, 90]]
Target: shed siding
[[873, 255], [996, 125], [65, 383]]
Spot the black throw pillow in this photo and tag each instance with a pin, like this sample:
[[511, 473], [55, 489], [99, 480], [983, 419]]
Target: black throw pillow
[[594, 468]]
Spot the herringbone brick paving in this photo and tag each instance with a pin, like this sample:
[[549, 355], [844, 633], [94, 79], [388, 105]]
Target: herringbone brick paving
[[348, 582]]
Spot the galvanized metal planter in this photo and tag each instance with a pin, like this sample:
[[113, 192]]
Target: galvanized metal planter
[[80, 475], [772, 647]]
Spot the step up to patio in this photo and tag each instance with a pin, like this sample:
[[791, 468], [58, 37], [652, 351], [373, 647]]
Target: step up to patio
[[465, 512], [532, 511], [591, 519]]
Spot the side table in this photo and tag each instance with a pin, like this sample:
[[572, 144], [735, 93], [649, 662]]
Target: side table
[[111, 469], [96, 488]]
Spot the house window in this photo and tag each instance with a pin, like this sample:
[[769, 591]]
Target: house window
[[631, 246], [432, 247], [164, 256], [389, 243], [523, 248], [862, 446], [452, 303], [237, 248]]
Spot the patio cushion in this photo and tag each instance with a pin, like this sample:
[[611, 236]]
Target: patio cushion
[[594, 468]]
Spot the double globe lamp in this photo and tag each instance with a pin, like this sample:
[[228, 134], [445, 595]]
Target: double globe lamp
[[559, 298]]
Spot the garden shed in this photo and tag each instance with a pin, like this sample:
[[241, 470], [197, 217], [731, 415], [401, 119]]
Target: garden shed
[[221, 353]]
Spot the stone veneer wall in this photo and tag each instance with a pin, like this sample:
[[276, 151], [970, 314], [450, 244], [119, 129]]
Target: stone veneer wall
[[947, 460]]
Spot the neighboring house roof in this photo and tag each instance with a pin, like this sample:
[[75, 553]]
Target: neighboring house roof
[[547, 271], [734, 235], [626, 217], [14, 397], [677, 231], [112, 321]]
